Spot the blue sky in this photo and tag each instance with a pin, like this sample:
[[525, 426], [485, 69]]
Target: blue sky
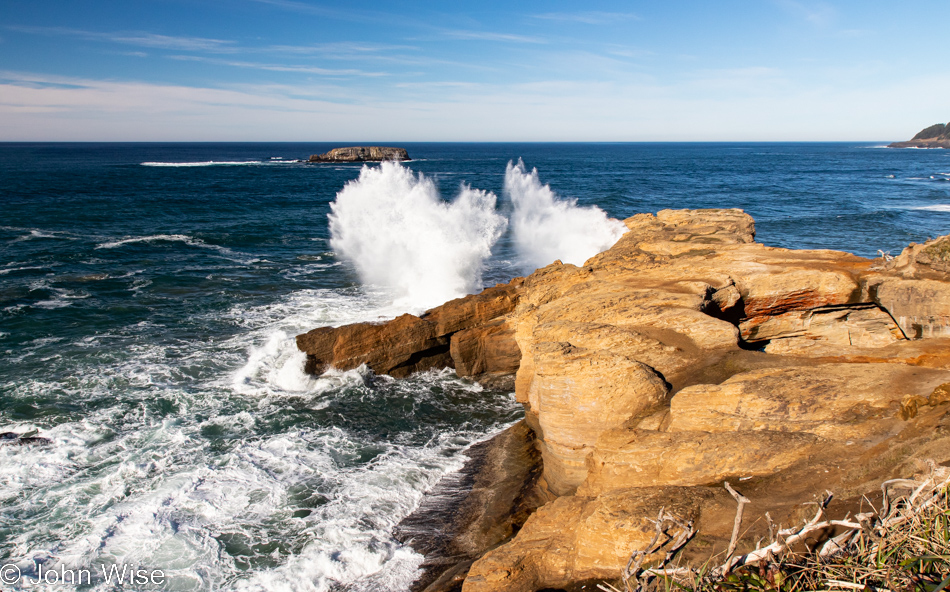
[[301, 70]]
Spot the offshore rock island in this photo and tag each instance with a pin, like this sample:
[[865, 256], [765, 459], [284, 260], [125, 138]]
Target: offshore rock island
[[361, 154], [935, 136], [685, 355]]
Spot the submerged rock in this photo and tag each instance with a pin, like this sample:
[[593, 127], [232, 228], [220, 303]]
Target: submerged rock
[[28, 439], [362, 154]]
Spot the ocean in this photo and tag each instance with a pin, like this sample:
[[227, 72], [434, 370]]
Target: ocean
[[150, 295]]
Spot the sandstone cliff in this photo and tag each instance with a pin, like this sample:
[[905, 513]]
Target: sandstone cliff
[[686, 355], [362, 154], [935, 136]]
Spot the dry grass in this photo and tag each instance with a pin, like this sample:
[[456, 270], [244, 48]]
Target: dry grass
[[903, 546]]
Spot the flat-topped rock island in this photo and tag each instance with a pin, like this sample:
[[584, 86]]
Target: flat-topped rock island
[[362, 154]]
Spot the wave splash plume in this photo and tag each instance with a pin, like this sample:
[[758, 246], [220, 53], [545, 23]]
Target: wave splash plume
[[396, 230], [545, 227]]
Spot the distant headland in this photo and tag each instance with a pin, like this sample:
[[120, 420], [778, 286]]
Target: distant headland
[[362, 154], [935, 136]]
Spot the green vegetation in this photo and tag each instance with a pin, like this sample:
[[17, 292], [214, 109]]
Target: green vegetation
[[939, 251]]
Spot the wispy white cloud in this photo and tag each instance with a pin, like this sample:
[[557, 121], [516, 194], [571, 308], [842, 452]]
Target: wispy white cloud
[[176, 43], [344, 50], [817, 13], [399, 55], [439, 84], [305, 8], [489, 36], [351, 13], [141, 39], [628, 52], [593, 17], [303, 69], [40, 81], [743, 104]]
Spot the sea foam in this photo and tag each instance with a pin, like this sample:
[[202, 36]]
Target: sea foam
[[545, 227], [400, 235]]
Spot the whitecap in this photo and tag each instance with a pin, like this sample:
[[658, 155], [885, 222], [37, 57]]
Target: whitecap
[[207, 163], [203, 163], [12, 269], [183, 238], [37, 233]]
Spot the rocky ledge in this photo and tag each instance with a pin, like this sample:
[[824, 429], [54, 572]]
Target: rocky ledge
[[684, 356], [935, 136], [361, 154]]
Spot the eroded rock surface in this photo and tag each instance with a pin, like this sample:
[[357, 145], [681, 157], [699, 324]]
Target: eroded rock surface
[[409, 343], [686, 355]]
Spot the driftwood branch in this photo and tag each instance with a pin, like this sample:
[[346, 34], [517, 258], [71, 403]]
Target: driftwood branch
[[895, 511], [741, 501], [637, 557], [633, 571]]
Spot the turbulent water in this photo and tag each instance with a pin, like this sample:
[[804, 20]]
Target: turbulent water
[[149, 295]]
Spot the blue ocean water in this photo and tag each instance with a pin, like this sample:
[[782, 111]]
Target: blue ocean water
[[149, 295]]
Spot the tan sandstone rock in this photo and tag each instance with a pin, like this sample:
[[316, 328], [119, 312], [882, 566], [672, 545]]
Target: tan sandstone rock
[[858, 325], [489, 348], [931, 259], [409, 344], [400, 347], [920, 306], [638, 376], [475, 309], [579, 538], [854, 402], [625, 458], [777, 293], [580, 393]]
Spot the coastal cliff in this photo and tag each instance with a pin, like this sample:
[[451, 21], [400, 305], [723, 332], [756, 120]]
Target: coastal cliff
[[361, 154], [686, 355], [935, 136]]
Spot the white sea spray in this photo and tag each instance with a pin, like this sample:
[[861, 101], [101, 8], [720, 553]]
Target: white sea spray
[[396, 230], [546, 227]]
